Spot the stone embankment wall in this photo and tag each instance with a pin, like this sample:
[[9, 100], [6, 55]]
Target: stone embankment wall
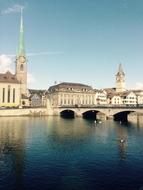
[[24, 112]]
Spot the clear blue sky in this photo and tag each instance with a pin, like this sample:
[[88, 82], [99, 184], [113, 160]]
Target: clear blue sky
[[91, 36]]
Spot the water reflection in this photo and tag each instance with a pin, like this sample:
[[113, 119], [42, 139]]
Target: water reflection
[[12, 149], [68, 132], [122, 138], [136, 119], [71, 153]]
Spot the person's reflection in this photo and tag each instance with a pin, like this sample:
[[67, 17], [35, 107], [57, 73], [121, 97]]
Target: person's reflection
[[122, 135], [122, 149]]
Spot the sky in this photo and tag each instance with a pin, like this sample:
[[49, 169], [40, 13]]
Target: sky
[[81, 41]]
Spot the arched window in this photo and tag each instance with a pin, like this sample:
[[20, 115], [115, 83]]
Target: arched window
[[23, 103], [21, 67], [8, 94], [3, 95], [13, 95]]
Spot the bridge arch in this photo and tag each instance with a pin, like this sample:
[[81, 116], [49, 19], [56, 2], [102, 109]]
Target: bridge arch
[[92, 114], [117, 113], [67, 113], [122, 115]]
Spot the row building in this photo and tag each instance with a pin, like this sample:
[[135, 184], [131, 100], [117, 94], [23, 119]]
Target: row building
[[80, 95]]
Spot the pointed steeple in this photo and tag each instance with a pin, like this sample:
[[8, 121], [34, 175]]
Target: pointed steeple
[[21, 60], [120, 79], [120, 70], [21, 48]]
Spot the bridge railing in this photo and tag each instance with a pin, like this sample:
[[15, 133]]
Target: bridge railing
[[134, 106]]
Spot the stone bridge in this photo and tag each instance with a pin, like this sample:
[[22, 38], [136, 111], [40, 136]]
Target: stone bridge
[[116, 112]]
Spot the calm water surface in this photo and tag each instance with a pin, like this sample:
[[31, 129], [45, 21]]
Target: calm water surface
[[70, 154]]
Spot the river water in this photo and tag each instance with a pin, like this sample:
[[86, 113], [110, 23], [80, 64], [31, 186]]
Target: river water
[[46, 153]]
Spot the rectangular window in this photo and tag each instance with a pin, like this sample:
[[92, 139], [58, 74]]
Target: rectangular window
[[14, 95], [3, 95], [8, 94]]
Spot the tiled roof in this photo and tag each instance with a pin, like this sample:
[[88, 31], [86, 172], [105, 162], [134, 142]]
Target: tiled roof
[[8, 77], [126, 93], [110, 90], [38, 92], [100, 90], [138, 92], [70, 85], [111, 95]]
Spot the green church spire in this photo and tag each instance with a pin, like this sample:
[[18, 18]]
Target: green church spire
[[21, 48]]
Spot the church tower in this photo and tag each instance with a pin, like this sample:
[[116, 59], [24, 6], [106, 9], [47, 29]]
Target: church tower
[[21, 61], [120, 80]]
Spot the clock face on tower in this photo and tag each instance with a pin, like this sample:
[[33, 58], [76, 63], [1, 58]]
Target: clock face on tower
[[22, 59]]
